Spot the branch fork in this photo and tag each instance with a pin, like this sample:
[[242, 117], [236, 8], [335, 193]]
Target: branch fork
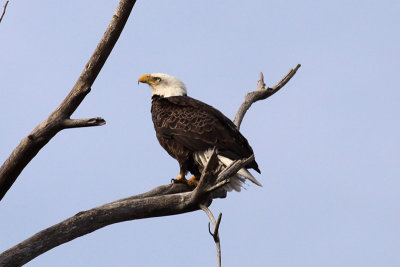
[[214, 234], [262, 93]]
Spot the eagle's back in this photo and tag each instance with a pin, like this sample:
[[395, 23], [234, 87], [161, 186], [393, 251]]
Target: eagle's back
[[185, 125]]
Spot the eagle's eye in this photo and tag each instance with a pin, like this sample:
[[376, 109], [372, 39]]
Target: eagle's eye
[[157, 79]]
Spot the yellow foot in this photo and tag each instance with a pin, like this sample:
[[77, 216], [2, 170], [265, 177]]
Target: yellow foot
[[193, 182]]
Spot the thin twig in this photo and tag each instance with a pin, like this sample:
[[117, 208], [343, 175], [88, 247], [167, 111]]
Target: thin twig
[[261, 93], [219, 185], [4, 11], [215, 235], [77, 123], [260, 83]]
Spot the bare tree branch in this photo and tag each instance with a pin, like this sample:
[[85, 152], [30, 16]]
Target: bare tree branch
[[223, 178], [60, 118], [76, 123], [215, 235], [4, 11], [261, 93]]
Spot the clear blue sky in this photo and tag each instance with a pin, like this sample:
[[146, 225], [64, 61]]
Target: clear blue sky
[[327, 143]]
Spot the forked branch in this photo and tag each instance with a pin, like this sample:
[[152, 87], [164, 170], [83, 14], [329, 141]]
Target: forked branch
[[214, 234], [262, 93], [60, 118]]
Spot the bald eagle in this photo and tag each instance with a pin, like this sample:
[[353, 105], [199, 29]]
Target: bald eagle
[[189, 129]]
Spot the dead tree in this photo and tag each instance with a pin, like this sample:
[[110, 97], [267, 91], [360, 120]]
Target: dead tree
[[161, 201]]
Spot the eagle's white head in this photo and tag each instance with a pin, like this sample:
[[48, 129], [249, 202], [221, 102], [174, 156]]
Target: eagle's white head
[[163, 84]]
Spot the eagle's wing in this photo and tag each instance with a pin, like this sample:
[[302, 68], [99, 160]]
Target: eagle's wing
[[199, 126]]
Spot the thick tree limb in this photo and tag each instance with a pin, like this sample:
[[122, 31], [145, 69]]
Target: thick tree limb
[[60, 118], [4, 11], [261, 93], [94, 219]]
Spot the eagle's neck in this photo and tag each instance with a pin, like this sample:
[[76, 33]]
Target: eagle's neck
[[156, 96]]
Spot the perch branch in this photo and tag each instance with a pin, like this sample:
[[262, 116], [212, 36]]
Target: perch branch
[[261, 93], [215, 235], [60, 118], [4, 11]]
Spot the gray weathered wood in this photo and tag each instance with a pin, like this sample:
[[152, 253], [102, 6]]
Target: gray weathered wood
[[215, 234], [94, 219]]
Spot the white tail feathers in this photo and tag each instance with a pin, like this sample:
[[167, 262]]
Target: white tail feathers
[[236, 181]]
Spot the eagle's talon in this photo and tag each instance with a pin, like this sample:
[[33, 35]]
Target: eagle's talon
[[192, 182]]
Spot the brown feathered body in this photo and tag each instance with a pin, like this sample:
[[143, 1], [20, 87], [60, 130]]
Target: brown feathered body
[[185, 126]]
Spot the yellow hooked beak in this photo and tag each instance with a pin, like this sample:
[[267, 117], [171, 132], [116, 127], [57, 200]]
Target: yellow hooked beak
[[146, 78]]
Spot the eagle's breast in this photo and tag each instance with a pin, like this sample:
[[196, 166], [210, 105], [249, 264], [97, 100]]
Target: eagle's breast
[[167, 118]]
